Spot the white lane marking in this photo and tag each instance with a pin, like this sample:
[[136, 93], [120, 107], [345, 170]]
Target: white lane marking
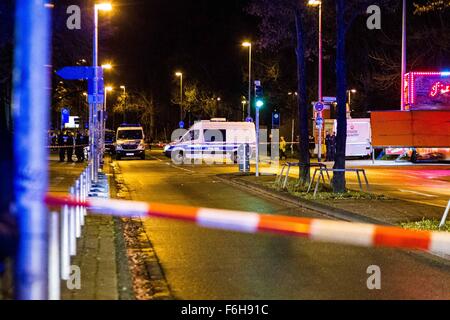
[[156, 158], [174, 166], [419, 193]]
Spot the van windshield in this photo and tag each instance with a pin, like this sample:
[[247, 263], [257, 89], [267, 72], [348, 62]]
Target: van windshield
[[129, 135]]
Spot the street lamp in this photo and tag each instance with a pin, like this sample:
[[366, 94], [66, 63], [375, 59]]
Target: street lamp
[[248, 44], [103, 119], [349, 92], [244, 102], [107, 66], [180, 75], [94, 123], [124, 103]]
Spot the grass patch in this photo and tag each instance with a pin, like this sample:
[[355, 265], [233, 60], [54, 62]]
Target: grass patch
[[427, 225], [326, 193]]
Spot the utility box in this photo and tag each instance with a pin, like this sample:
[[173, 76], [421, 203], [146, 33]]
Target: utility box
[[244, 154]]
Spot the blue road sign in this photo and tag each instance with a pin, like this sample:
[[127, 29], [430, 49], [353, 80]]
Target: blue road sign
[[65, 114], [79, 73], [249, 119], [181, 124], [319, 121], [319, 106]]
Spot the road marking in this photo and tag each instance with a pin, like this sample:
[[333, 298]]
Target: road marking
[[419, 193], [191, 171]]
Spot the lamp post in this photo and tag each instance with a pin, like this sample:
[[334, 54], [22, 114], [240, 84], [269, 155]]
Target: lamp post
[[107, 89], [180, 75], [93, 123], [248, 45], [349, 92], [244, 102], [125, 103]]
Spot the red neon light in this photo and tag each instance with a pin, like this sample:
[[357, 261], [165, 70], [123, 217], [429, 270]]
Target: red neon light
[[439, 89]]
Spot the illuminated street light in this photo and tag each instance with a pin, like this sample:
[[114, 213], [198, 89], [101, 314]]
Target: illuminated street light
[[248, 44], [180, 75], [103, 6], [107, 66]]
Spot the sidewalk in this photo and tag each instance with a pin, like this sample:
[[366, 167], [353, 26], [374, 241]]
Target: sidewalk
[[96, 249]]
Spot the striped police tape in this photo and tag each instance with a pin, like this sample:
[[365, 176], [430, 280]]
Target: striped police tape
[[358, 234]]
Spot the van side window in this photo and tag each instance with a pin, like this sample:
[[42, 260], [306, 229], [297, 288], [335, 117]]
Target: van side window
[[213, 135], [192, 135]]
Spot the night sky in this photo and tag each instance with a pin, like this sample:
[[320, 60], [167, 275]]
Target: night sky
[[155, 38]]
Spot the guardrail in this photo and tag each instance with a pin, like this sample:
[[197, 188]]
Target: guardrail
[[65, 227]]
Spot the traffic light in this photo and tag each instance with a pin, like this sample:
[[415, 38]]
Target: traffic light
[[275, 120], [259, 99]]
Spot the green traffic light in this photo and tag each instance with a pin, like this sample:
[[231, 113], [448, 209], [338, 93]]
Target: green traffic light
[[259, 103]]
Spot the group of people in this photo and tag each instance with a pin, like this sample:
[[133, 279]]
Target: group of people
[[68, 142], [330, 144]]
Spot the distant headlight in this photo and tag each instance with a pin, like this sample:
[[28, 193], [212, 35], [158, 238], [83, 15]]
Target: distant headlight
[[166, 147], [141, 146]]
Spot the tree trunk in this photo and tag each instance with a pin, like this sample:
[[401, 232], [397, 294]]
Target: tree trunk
[[304, 159], [341, 80]]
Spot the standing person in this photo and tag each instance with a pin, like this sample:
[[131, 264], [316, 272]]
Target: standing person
[[79, 147], [328, 146], [69, 145], [283, 148], [61, 146], [333, 146]]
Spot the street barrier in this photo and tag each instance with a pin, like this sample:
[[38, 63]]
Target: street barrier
[[358, 234]]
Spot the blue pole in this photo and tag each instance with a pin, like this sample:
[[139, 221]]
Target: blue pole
[[30, 115]]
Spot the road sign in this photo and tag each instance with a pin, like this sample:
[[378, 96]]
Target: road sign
[[329, 99], [318, 106], [79, 73], [181, 124], [249, 119], [319, 121]]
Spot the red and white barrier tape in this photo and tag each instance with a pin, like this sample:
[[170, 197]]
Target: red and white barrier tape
[[358, 234]]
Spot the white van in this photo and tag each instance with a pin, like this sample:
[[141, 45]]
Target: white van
[[215, 138], [359, 137], [130, 141]]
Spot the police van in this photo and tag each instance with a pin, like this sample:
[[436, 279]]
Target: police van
[[130, 141], [214, 139]]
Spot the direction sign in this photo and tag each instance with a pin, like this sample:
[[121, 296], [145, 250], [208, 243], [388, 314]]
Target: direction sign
[[79, 73], [181, 124], [319, 106], [329, 99]]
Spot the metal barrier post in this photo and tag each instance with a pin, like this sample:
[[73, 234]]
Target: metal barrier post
[[77, 210], [72, 228], [444, 217], [82, 195], [54, 289], [65, 251], [30, 98]]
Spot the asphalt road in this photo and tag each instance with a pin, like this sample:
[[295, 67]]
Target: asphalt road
[[211, 264]]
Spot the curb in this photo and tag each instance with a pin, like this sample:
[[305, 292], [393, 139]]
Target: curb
[[339, 214], [155, 280], [124, 282]]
